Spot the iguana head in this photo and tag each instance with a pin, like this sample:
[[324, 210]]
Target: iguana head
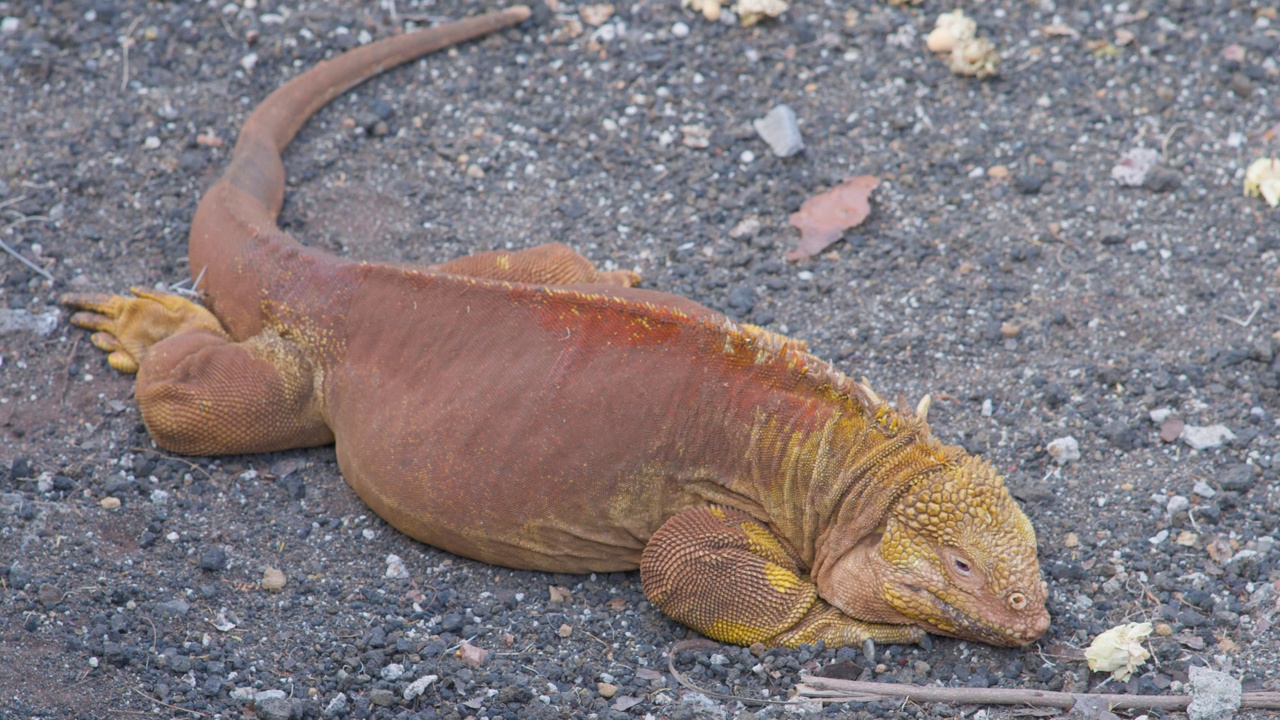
[[955, 556]]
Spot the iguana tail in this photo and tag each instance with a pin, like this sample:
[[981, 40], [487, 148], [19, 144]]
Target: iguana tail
[[239, 211], [256, 167]]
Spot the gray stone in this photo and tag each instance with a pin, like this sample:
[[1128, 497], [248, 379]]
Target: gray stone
[[1238, 478], [1214, 695], [781, 131], [1207, 436], [16, 321], [273, 708], [337, 707], [382, 697]]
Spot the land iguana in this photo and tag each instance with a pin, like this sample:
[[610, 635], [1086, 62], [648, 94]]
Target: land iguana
[[527, 410]]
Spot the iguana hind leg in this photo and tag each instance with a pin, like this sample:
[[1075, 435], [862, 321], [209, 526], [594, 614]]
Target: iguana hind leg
[[548, 264], [199, 392], [724, 574]]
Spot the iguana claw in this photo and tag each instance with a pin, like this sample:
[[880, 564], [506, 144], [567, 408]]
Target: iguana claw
[[126, 327]]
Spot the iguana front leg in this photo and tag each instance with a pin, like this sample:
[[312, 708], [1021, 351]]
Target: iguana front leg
[[724, 574], [127, 327], [199, 392]]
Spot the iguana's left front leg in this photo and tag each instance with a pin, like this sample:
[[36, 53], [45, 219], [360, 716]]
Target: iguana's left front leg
[[199, 392], [724, 574]]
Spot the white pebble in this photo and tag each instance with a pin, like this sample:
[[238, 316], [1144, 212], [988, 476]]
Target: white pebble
[[1203, 489], [781, 130], [1064, 449], [249, 61], [396, 568], [680, 30], [8, 26], [151, 143], [1207, 436], [419, 686], [1177, 504]]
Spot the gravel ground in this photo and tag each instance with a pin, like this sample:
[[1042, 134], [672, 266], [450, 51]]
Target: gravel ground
[[1003, 270]]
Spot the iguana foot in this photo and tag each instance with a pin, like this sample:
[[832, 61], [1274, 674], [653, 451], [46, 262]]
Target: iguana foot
[[725, 574], [127, 327]]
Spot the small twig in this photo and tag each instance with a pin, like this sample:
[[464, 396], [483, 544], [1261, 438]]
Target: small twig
[[1164, 144], [226, 25], [834, 690], [17, 256], [671, 667], [66, 368], [188, 463], [126, 42], [153, 640], [1244, 323], [171, 707], [23, 219], [12, 201]]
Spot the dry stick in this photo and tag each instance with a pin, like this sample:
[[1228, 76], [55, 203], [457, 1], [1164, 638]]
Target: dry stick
[[171, 707], [671, 667], [834, 690], [18, 256], [126, 42], [188, 463]]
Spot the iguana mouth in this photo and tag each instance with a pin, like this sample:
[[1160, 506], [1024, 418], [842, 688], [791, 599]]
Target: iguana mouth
[[969, 627]]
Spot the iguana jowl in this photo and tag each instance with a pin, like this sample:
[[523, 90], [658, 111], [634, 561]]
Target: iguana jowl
[[528, 410]]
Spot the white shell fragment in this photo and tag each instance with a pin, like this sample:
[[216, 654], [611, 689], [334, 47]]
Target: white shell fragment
[[1134, 166], [781, 130], [1064, 450], [951, 28], [751, 12], [1119, 650], [710, 9], [975, 57], [1203, 437], [1263, 178]]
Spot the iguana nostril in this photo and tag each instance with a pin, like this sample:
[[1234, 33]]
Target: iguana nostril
[[1017, 601]]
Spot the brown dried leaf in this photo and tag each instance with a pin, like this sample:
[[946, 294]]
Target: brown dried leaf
[[823, 218], [1171, 429], [472, 656], [1195, 642], [559, 594], [616, 604], [1219, 549], [624, 703], [1227, 645], [565, 631]]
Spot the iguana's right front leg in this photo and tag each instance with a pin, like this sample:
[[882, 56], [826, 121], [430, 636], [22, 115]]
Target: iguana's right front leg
[[199, 392], [724, 574]]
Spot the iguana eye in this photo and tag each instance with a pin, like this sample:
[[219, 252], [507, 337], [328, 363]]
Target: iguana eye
[[1017, 601], [962, 567]]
